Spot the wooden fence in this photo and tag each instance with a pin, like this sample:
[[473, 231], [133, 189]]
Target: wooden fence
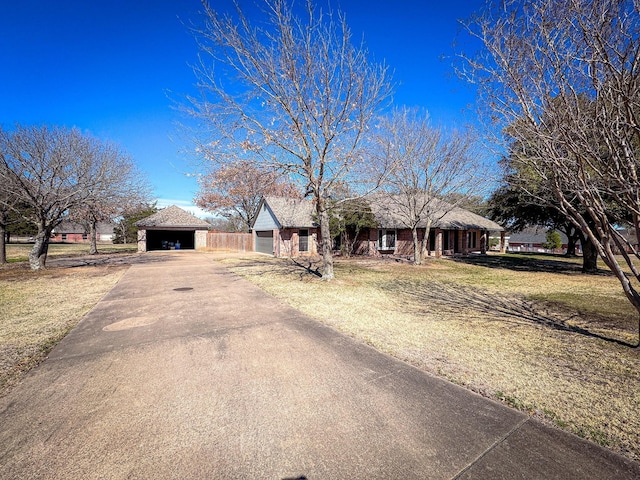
[[237, 242]]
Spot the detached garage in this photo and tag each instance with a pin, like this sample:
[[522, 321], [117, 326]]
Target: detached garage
[[171, 229]]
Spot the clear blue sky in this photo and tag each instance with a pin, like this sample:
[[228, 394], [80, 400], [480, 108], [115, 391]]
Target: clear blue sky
[[108, 67]]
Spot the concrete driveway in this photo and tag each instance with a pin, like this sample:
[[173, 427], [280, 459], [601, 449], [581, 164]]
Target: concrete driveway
[[185, 370]]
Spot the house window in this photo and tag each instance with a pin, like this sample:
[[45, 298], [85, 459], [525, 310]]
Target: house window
[[471, 239], [85, 236], [303, 241], [63, 236], [386, 239]]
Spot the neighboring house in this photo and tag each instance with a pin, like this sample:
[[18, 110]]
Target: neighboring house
[[73, 232], [532, 239], [286, 227], [171, 228]]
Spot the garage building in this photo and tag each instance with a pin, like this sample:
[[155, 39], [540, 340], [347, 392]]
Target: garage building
[[171, 228]]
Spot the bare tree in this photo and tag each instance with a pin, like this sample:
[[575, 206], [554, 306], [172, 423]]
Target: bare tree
[[563, 79], [234, 190], [53, 171], [6, 206], [119, 187], [429, 165], [300, 101]]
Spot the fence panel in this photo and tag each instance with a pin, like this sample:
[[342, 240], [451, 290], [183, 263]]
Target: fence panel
[[238, 242]]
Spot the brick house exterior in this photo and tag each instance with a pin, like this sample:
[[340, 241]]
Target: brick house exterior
[[72, 232], [283, 223]]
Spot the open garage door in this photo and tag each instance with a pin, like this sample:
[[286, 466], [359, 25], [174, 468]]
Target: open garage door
[[264, 241], [171, 239]]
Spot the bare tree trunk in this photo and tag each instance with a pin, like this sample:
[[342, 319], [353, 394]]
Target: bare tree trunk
[[417, 248], [325, 236], [3, 238], [636, 226], [571, 246], [425, 240], [93, 240], [123, 230], [38, 254], [589, 257]]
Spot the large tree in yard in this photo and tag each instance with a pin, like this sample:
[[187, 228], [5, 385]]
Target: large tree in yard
[[427, 165], [291, 93], [563, 80], [122, 187], [53, 172], [513, 206]]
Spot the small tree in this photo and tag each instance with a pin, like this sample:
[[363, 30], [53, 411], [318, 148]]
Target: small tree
[[553, 240], [301, 100], [122, 187], [427, 166], [347, 220], [125, 231]]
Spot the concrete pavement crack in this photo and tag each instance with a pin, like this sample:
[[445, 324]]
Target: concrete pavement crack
[[491, 448]]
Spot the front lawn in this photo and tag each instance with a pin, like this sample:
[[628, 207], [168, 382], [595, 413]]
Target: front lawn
[[37, 309], [532, 332], [19, 252]]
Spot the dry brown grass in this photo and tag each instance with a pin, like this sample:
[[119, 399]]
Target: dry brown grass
[[546, 340], [39, 308], [19, 252]]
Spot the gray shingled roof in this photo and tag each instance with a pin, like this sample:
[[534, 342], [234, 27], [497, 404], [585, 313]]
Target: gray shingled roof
[[102, 228], [292, 212], [389, 214], [535, 234], [172, 217], [299, 213]]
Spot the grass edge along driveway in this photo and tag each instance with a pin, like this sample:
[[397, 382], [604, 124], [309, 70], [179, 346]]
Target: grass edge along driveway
[[39, 308]]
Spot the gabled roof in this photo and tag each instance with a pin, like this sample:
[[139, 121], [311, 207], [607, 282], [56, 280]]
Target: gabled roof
[[291, 212], [172, 217], [389, 213]]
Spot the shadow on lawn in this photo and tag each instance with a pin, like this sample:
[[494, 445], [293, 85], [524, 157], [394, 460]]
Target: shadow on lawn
[[511, 309], [523, 262], [302, 267]]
